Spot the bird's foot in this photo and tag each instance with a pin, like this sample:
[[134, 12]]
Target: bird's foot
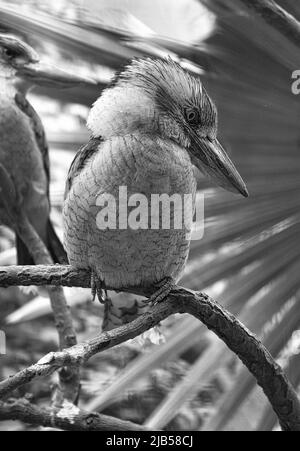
[[163, 290], [98, 288]]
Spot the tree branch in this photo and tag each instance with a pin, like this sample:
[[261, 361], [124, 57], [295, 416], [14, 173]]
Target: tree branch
[[246, 346], [55, 275], [277, 17], [39, 275], [81, 353], [67, 418]]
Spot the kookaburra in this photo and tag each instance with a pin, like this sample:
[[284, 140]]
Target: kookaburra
[[24, 159], [150, 127]]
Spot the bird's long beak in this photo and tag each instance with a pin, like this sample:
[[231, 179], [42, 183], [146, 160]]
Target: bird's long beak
[[209, 157], [41, 74]]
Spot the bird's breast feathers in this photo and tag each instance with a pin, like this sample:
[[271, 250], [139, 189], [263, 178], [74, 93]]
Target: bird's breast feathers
[[142, 163]]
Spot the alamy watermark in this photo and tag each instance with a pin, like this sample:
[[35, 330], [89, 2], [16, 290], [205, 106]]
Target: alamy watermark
[[2, 343], [296, 83], [155, 212]]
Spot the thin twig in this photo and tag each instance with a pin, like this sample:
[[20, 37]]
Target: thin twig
[[67, 418], [69, 378], [246, 346], [41, 256], [277, 17], [81, 353]]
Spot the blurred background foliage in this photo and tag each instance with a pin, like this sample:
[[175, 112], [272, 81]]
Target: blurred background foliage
[[249, 258]]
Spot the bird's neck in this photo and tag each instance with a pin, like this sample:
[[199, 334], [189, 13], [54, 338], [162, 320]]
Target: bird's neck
[[121, 111], [7, 88]]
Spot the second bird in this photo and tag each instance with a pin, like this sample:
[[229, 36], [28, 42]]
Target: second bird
[[24, 159]]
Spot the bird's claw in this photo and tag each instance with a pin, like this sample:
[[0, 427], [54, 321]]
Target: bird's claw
[[98, 289], [164, 289]]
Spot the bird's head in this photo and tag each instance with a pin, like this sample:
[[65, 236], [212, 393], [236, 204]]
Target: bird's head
[[160, 97], [21, 64]]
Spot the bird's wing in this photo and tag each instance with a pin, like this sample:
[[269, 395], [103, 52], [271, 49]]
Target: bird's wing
[[38, 130], [51, 239], [81, 158]]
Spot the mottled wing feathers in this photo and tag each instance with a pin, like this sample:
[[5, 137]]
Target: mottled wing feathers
[[53, 243], [81, 158], [38, 129]]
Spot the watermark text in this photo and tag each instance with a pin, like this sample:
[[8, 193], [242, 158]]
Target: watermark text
[[296, 83], [155, 212], [2, 343]]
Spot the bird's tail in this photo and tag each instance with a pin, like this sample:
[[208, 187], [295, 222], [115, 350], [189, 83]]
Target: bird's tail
[[53, 244], [23, 255], [123, 309]]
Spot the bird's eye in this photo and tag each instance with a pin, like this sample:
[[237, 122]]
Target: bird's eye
[[192, 116]]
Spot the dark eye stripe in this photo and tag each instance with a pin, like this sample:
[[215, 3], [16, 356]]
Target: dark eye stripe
[[13, 53]]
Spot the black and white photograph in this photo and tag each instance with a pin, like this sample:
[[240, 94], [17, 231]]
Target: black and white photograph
[[149, 218]]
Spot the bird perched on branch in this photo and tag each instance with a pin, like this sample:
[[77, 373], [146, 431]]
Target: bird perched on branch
[[24, 159], [149, 128]]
